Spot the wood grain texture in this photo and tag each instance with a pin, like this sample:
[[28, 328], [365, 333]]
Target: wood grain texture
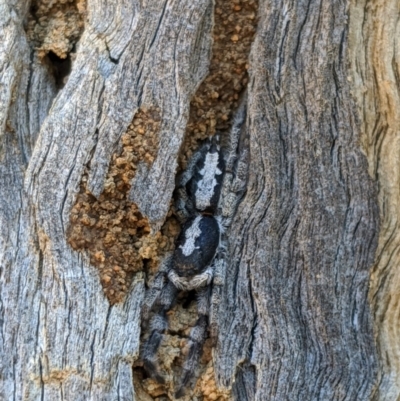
[[304, 238], [60, 339], [294, 323], [375, 72]]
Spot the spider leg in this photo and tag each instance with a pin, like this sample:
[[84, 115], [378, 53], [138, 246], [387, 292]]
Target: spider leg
[[184, 205], [187, 175], [201, 280], [197, 337], [179, 282], [237, 166], [235, 135], [218, 281], [156, 286], [233, 188], [158, 325]]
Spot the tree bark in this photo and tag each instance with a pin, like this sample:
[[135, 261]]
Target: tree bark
[[375, 59], [294, 321]]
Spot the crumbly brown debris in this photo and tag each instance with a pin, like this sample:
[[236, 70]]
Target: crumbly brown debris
[[217, 97], [55, 25], [172, 354], [111, 228], [210, 110]]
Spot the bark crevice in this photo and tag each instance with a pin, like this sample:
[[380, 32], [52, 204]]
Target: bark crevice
[[302, 242]]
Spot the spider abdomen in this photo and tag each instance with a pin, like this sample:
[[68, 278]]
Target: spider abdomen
[[196, 245]]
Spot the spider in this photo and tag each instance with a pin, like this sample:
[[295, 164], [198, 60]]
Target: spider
[[206, 199]]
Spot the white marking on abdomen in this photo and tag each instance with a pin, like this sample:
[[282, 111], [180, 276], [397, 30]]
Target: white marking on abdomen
[[191, 234], [205, 187]]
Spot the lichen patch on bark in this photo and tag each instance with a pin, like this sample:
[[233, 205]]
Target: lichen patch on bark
[[217, 97], [111, 228], [55, 26]]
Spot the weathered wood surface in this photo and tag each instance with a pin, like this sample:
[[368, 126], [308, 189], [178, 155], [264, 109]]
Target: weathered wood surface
[[60, 339], [375, 72], [295, 319], [296, 305]]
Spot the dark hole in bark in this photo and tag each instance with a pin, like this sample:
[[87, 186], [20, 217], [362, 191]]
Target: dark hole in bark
[[191, 296], [33, 9], [60, 68]]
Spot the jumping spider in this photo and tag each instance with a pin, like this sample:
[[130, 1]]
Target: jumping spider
[[207, 195]]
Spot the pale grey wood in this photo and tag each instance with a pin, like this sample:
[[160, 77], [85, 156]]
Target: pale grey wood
[[304, 238], [161, 66], [60, 339], [375, 79]]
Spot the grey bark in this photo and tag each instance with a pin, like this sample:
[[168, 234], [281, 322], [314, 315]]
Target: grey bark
[[296, 294], [294, 321]]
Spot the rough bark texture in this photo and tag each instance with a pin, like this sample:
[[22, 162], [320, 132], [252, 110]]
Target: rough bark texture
[[296, 303], [375, 74], [294, 320], [60, 338]]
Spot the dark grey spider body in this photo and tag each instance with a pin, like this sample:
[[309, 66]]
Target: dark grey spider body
[[199, 186], [206, 198], [196, 246], [205, 186]]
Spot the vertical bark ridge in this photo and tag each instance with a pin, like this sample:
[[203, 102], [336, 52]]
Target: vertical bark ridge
[[375, 79], [309, 219], [60, 337]]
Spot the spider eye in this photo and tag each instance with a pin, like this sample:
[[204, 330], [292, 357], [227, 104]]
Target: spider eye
[[215, 144]]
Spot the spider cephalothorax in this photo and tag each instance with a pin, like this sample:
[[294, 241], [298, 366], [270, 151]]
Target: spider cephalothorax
[[206, 198]]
